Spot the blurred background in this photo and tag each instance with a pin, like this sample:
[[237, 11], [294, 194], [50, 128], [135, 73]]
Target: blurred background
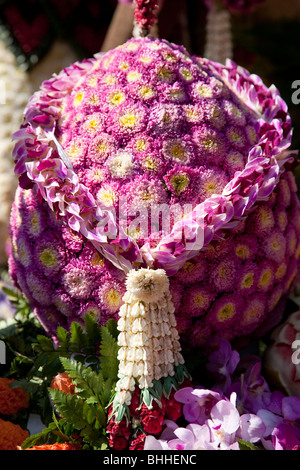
[[40, 37]]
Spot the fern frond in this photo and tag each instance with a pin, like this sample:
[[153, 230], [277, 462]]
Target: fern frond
[[108, 354]]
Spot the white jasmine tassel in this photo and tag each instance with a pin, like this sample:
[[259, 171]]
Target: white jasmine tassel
[[218, 45], [149, 342]]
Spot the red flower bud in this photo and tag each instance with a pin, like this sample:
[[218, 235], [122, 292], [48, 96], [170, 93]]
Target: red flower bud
[[173, 410], [118, 443], [138, 442]]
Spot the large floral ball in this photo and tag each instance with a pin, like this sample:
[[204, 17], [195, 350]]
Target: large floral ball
[[143, 127]]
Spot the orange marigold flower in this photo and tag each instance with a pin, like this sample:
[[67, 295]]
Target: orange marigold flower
[[12, 400], [56, 446], [62, 381], [11, 435]]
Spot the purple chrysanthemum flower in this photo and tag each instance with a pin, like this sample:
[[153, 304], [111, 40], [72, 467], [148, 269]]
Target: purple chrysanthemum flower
[[225, 311], [223, 275], [197, 300], [49, 254], [111, 296]]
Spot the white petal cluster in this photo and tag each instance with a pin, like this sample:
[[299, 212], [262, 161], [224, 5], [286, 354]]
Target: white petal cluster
[[121, 164], [218, 45], [148, 338]]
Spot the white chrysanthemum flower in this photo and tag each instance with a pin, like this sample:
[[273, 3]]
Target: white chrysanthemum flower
[[121, 164]]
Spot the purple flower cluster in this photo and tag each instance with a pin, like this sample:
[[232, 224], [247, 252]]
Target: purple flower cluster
[[150, 125], [240, 406]]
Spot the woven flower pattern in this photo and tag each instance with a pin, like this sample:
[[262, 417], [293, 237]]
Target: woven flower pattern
[[145, 126]]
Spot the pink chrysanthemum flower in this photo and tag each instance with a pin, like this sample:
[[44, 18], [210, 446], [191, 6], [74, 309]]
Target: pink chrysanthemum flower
[[110, 295], [77, 280]]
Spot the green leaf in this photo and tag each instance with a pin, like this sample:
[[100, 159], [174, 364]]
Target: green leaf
[[112, 327], [246, 445], [121, 409], [44, 344], [167, 387], [147, 397], [87, 381], [94, 439], [108, 354], [92, 330], [62, 337], [78, 338], [44, 437], [70, 407], [158, 387]]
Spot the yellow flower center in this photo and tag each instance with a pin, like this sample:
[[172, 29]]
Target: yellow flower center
[[106, 196], [128, 120], [141, 145], [133, 76], [226, 312], [116, 98], [210, 186], [186, 74], [110, 79], [200, 300], [179, 183], [265, 278], [113, 298], [94, 100], [203, 91], [92, 81], [146, 92], [48, 258], [35, 222], [188, 267], [281, 271], [78, 98], [124, 66], [150, 164], [165, 74], [247, 281], [242, 251], [177, 152]]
